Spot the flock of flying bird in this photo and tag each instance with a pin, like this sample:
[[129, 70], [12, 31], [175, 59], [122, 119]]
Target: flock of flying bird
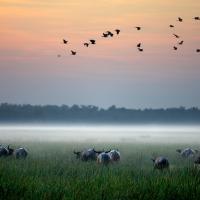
[[108, 34]]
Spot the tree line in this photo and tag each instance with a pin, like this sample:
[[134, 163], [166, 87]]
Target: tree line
[[93, 114]]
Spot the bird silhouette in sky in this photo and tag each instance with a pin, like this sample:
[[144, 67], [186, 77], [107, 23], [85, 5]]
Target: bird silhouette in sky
[[140, 49], [139, 45], [196, 18], [181, 42], [117, 31], [180, 19], [105, 35], [138, 28], [93, 41], [86, 44], [175, 48], [65, 41], [110, 33], [73, 53], [177, 36]]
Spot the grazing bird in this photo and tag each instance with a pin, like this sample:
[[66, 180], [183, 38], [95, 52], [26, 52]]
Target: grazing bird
[[88, 154], [65, 41], [198, 50], [160, 163], [171, 26], [181, 42], [103, 158], [140, 49], [10, 150], [105, 35], [138, 28], [93, 41], [3, 151], [197, 18], [175, 48], [114, 155], [117, 31], [20, 153], [176, 36], [139, 45], [197, 160], [6, 151], [180, 19], [188, 152], [73, 53], [86, 44]]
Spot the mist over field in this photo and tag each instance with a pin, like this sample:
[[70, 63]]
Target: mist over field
[[105, 134]]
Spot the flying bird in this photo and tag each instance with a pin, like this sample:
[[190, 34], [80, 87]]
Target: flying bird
[[138, 28], [198, 50], [110, 33], [177, 36], [180, 19], [73, 53], [65, 41], [86, 44], [171, 26], [117, 31], [197, 18], [181, 42], [105, 35], [140, 49], [175, 48], [93, 41], [139, 45]]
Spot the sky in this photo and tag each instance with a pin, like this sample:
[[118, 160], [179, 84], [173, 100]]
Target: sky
[[112, 72]]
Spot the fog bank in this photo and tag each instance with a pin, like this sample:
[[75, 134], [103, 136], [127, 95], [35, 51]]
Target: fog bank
[[126, 134]]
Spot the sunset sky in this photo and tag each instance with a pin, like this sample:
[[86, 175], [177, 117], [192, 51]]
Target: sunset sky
[[112, 71]]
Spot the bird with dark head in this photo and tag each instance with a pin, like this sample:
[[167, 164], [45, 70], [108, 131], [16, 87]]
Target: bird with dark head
[[138, 28], [160, 163], [105, 35], [78, 154], [93, 41], [117, 31], [175, 48], [139, 45], [65, 41], [176, 36], [10, 150], [86, 44], [181, 42], [110, 33], [180, 19], [73, 53], [197, 18]]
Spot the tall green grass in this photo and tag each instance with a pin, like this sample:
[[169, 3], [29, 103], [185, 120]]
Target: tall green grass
[[51, 171]]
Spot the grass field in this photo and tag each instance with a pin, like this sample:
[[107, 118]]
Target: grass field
[[52, 172]]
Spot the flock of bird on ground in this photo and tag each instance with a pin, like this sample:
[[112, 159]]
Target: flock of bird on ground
[[6, 151], [108, 34], [114, 156], [106, 157]]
